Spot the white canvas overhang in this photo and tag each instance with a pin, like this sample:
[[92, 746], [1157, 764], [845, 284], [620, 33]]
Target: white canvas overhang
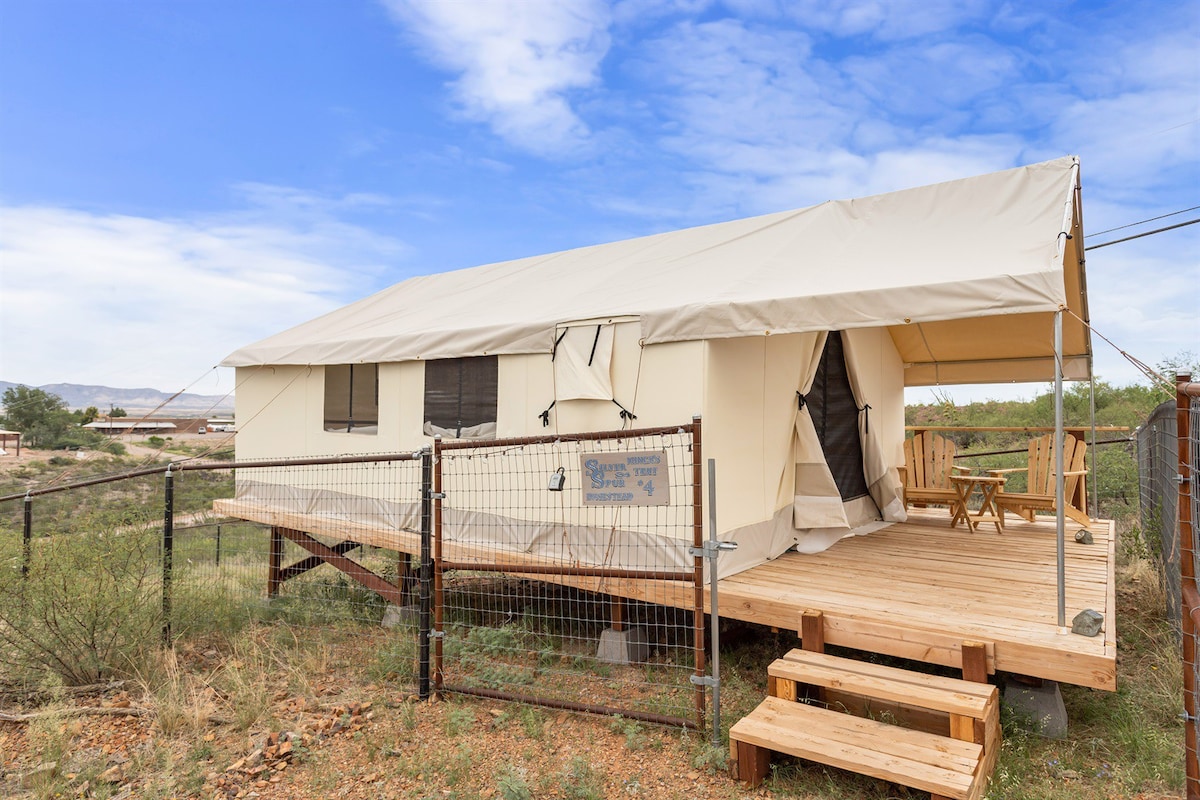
[[966, 275]]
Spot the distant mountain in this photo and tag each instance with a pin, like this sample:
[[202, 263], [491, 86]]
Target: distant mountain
[[136, 401]]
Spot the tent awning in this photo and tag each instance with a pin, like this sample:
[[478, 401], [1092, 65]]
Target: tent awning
[[967, 276]]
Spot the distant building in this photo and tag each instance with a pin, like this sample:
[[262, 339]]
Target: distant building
[[6, 437], [117, 427]]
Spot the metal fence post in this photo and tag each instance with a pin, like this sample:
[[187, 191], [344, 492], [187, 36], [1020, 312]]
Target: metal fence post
[[218, 559], [698, 677], [426, 569], [27, 536], [715, 547], [168, 544], [1185, 390]]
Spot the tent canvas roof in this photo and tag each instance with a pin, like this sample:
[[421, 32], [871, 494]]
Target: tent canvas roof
[[966, 275]]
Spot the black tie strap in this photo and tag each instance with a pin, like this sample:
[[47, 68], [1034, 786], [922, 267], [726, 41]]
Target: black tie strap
[[545, 415], [595, 342], [626, 414]]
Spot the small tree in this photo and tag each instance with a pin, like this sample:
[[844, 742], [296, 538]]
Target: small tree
[[117, 411], [43, 417]]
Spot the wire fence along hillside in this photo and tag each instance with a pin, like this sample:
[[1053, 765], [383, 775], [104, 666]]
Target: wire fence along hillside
[[160, 548], [525, 605]]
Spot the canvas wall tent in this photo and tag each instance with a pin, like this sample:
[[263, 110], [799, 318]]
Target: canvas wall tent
[[958, 282]]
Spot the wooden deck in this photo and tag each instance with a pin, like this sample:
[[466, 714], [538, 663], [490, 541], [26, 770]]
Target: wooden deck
[[918, 589], [915, 590]]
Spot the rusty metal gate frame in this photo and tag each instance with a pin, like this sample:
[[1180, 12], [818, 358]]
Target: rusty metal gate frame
[[695, 576]]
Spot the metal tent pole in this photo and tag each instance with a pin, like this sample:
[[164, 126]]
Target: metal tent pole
[[1059, 478], [1095, 510]]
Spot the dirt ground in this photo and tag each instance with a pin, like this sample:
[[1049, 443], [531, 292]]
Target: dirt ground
[[345, 739], [135, 445]]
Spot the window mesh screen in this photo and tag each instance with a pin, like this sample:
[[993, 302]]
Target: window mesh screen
[[835, 416], [351, 396], [460, 392]]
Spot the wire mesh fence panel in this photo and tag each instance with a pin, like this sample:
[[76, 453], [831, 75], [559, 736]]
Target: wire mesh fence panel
[[321, 541], [1193, 460], [115, 563], [80, 576], [1192, 454], [564, 572], [1158, 494]]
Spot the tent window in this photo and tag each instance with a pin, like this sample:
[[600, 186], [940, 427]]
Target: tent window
[[835, 416], [352, 398], [460, 397]]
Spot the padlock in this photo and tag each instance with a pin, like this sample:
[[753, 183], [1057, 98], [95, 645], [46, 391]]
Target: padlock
[[558, 479]]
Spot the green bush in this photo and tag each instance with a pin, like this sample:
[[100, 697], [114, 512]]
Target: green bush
[[89, 608]]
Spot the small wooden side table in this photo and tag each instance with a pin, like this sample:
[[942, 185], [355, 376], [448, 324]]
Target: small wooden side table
[[964, 487]]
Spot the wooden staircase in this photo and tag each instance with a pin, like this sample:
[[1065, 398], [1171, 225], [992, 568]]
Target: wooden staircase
[[949, 751]]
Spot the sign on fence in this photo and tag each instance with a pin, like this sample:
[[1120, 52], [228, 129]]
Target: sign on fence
[[625, 479]]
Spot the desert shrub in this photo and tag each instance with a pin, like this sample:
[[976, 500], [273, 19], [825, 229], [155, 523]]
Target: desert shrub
[[89, 608]]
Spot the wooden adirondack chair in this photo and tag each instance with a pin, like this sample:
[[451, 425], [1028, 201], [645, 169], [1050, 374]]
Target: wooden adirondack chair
[[928, 465], [1039, 493]]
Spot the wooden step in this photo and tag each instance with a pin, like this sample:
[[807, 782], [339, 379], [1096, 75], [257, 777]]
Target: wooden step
[[951, 755], [950, 695], [936, 764]]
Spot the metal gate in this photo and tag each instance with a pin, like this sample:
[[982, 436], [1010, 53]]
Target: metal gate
[[568, 572]]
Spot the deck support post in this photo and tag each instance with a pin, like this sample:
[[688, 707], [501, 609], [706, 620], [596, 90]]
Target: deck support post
[[812, 631], [753, 763], [974, 662], [812, 639], [334, 556], [274, 562], [616, 610]]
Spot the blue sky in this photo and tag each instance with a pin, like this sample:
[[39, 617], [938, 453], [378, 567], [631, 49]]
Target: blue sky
[[178, 179]]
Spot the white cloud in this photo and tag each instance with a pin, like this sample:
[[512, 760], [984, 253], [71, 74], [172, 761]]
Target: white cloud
[[517, 61], [933, 79], [1144, 296], [769, 124], [886, 19], [135, 301]]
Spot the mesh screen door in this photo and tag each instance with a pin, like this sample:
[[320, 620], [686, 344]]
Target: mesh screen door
[[835, 416]]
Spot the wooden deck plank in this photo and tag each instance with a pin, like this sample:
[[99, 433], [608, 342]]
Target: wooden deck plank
[[911, 758], [880, 687], [980, 694], [914, 589]]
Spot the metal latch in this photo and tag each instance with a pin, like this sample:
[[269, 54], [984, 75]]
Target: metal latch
[[704, 680], [711, 549], [437, 495], [437, 634]]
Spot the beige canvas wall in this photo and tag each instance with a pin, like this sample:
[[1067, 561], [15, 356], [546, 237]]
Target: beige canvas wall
[[883, 378], [280, 413], [749, 411], [745, 388]]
